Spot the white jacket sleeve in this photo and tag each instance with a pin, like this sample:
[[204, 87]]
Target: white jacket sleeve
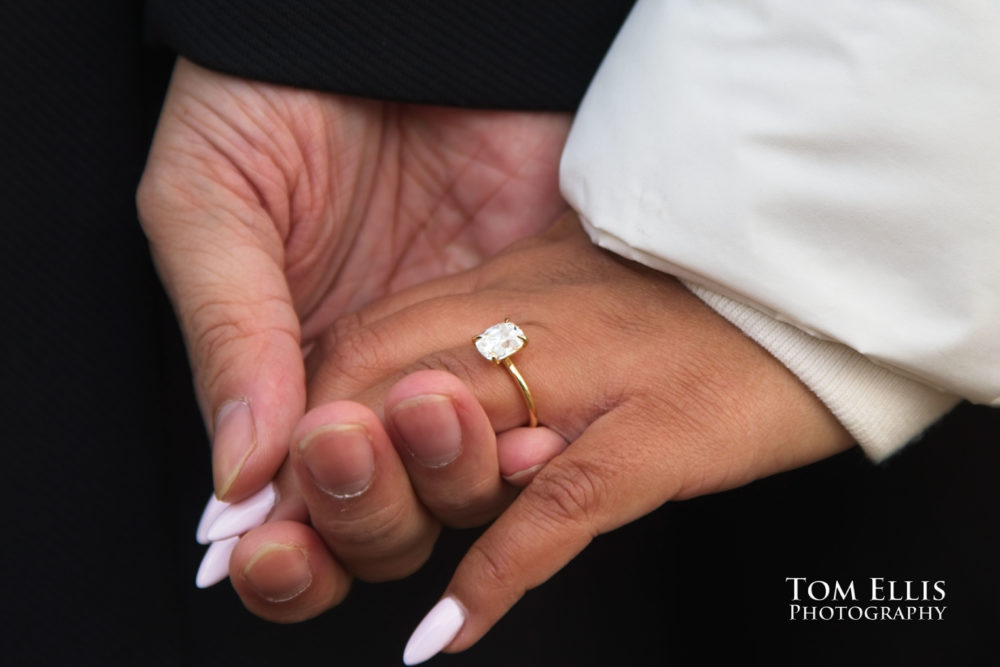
[[834, 166]]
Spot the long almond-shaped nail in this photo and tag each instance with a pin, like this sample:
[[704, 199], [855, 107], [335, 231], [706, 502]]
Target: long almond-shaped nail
[[435, 632], [213, 508], [245, 515], [215, 563], [235, 437]]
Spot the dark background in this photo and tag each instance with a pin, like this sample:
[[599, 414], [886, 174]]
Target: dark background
[[107, 467]]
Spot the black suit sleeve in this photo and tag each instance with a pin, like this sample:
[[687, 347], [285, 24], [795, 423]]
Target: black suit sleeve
[[513, 54]]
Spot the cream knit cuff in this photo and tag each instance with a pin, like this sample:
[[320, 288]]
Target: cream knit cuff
[[881, 409]]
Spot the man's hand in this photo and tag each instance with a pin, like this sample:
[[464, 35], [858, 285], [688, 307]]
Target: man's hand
[[272, 212]]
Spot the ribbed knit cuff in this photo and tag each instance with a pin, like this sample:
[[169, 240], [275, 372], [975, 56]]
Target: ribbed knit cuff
[[881, 409]]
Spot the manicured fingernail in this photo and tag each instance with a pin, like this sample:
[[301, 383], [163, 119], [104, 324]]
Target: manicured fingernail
[[213, 508], [278, 572], [235, 437], [435, 632], [245, 515], [429, 428], [215, 563], [340, 459]]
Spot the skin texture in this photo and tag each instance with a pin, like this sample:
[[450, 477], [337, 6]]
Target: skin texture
[[271, 212], [661, 398], [353, 248]]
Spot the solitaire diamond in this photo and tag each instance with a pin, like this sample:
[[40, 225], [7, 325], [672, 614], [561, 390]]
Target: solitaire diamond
[[500, 341]]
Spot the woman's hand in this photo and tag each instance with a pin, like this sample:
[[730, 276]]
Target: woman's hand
[[272, 212], [660, 397]]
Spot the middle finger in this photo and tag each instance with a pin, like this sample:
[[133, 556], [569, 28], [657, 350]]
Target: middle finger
[[359, 497]]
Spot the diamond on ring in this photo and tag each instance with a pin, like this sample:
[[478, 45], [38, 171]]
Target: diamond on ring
[[497, 344], [500, 341]]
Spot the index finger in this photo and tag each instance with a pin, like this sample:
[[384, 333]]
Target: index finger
[[589, 489]]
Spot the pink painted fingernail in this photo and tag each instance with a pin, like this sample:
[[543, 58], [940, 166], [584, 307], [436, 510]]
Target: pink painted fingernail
[[213, 508], [436, 631], [235, 437], [215, 563], [245, 515], [429, 428]]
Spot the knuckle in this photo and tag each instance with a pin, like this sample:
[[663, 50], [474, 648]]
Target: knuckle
[[217, 329], [227, 335], [451, 361], [214, 339], [344, 326], [568, 491], [353, 351], [378, 545], [495, 567], [220, 323], [376, 531], [468, 506]]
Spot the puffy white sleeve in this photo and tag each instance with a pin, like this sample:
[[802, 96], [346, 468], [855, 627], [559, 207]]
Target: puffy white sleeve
[[824, 172]]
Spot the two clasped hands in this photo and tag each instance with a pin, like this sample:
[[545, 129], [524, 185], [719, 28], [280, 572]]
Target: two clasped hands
[[330, 260]]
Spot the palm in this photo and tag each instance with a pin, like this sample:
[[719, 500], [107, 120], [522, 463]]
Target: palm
[[358, 198]]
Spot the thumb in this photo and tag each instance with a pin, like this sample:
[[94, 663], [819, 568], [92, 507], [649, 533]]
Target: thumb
[[591, 488], [220, 260]]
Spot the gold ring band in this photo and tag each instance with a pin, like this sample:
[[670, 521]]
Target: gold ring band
[[529, 400], [497, 344]]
